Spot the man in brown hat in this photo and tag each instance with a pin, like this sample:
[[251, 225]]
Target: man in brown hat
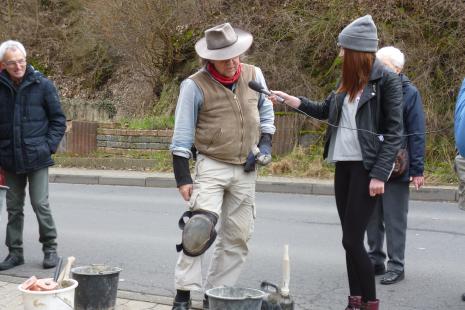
[[231, 127]]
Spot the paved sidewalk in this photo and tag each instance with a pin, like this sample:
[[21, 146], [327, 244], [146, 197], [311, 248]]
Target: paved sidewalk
[[308, 186], [11, 298]]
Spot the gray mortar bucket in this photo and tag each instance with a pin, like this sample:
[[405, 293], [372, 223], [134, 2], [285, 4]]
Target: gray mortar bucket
[[235, 298], [3, 190], [98, 285]]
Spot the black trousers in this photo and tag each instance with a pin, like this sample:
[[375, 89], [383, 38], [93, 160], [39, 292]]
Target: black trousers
[[355, 207]]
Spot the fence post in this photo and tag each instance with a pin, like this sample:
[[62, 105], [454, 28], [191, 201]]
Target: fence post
[[287, 130]]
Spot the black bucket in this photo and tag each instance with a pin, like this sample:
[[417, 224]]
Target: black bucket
[[98, 285]]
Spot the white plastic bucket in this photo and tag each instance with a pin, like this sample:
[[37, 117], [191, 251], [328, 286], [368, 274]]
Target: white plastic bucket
[[62, 299]]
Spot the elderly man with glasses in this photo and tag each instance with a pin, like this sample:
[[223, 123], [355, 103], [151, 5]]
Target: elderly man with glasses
[[32, 124]]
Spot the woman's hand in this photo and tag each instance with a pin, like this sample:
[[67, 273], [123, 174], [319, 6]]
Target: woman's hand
[[288, 99], [418, 181], [376, 187]]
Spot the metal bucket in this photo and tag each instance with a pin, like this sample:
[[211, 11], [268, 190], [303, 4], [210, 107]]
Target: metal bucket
[[235, 298]]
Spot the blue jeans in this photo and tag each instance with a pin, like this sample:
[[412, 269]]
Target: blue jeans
[[15, 198]]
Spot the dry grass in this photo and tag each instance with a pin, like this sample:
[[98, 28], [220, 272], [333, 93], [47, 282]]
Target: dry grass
[[301, 162]]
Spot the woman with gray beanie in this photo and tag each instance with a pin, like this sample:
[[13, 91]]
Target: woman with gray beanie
[[363, 136]]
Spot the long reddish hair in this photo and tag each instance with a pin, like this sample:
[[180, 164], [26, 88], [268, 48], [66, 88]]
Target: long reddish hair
[[356, 69]]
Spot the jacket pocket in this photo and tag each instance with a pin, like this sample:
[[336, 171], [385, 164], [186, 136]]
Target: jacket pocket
[[4, 144], [193, 200], [36, 150], [6, 154]]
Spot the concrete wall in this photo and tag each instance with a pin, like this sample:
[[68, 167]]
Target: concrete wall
[[88, 110]]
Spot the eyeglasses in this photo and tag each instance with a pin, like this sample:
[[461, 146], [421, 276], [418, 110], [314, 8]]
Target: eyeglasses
[[13, 63]]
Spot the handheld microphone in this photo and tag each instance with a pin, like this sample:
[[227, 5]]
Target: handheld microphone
[[259, 88]]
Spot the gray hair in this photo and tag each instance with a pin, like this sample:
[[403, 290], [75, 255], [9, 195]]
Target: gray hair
[[11, 45], [392, 55]]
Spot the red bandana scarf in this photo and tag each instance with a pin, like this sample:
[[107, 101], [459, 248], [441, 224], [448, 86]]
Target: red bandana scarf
[[227, 81]]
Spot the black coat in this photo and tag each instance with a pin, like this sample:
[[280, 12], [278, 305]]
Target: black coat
[[32, 122], [384, 87]]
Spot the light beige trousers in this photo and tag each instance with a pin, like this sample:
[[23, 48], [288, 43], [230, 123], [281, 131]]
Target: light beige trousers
[[229, 192], [460, 169]]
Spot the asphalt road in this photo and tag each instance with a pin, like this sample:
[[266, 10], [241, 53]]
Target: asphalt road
[[136, 228]]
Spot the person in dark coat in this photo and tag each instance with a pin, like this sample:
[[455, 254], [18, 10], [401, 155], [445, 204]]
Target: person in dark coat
[[32, 125], [365, 114], [390, 216]]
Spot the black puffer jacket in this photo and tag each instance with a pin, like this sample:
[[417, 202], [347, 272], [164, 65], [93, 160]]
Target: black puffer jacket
[[386, 119], [32, 122]]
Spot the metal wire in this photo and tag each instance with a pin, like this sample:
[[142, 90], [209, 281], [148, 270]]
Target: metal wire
[[379, 135]]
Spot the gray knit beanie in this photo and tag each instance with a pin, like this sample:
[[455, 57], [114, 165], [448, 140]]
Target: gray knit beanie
[[360, 35]]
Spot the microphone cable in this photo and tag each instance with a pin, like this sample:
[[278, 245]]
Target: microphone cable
[[380, 136], [258, 88]]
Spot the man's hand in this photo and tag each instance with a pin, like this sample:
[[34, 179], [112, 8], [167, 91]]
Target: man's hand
[[418, 181], [263, 156], [250, 162], [376, 187], [186, 191]]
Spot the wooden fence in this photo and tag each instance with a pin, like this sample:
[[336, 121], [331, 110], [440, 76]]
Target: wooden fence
[[287, 132]]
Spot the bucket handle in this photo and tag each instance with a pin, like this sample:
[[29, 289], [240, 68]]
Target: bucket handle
[[265, 284]]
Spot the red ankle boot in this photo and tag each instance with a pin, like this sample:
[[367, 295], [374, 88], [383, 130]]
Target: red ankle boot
[[370, 305], [355, 302]]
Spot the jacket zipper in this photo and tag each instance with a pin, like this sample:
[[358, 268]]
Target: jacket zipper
[[240, 114], [242, 125]]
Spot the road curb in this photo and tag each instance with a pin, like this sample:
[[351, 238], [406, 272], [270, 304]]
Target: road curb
[[264, 184]]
